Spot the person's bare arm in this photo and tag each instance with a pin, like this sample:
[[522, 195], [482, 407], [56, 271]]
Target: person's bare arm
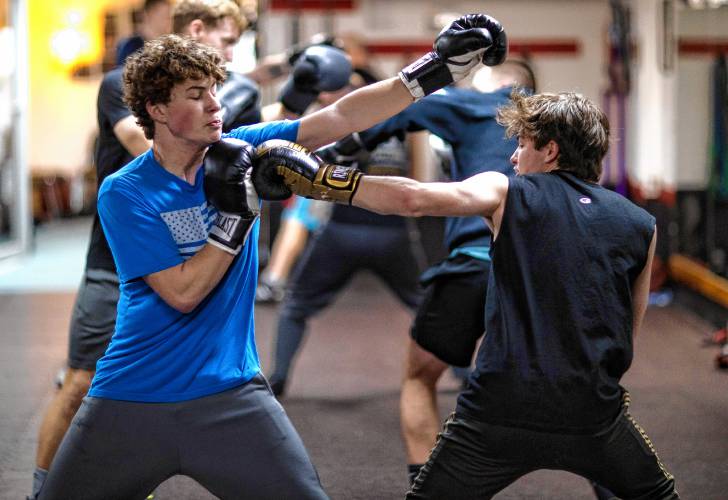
[[131, 136], [276, 111], [269, 69], [421, 156], [356, 111], [641, 289], [185, 285], [480, 195]]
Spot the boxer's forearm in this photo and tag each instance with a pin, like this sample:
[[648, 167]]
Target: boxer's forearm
[[480, 195], [357, 111], [185, 285]]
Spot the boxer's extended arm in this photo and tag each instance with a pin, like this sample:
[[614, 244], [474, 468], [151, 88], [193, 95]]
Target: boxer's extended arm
[[281, 167], [641, 289], [457, 50], [481, 195], [356, 111]]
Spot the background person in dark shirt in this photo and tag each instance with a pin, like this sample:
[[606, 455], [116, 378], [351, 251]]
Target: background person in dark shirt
[[454, 289], [568, 290], [156, 20], [352, 240]]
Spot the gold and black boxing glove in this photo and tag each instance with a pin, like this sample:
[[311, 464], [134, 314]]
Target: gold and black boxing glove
[[281, 168]]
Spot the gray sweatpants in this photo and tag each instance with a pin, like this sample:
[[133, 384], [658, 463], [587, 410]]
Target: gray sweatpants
[[237, 444]]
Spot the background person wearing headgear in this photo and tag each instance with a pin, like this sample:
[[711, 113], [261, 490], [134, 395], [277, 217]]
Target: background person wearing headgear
[[567, 293], [351, 241], [219, 23], [320, 70], [185, 247], [216, 23], [156, 20], [451, 316]]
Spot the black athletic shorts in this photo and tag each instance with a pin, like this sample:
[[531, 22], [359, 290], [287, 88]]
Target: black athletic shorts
[[476, 460], [93, 319], [451, 317]]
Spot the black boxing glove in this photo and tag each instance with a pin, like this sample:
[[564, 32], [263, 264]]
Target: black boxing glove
[[229, 188], [295, 51], [457, 50], [320, 68], [498, 51], [281, 167], [347, 151], [240, 101]]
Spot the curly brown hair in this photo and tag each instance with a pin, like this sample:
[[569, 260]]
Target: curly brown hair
[[571, 120], [150, 74]]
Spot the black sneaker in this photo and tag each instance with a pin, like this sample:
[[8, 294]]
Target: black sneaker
[[721, 360]]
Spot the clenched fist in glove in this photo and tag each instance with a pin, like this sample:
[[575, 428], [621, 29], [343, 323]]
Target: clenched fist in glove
[[320, 68], [229, 188], [281, 168], [457, 50]]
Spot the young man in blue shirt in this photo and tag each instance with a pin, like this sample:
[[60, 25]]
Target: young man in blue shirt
[[179, 390]]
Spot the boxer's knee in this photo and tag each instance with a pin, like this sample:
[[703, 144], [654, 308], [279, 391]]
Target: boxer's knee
[[75, 386], [422, 365]]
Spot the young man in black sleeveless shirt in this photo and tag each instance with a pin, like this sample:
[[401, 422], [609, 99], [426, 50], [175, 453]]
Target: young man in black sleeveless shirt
[[567, 294]]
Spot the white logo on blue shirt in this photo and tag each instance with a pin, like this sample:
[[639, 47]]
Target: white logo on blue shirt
[[189, 227]]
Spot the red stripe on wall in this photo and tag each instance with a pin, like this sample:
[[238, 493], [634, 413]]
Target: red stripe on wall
[[702, 46], [530, 47], [312, 4], [398, 47], [545, 46]]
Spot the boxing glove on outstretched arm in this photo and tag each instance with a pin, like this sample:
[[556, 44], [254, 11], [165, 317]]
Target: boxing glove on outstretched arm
[[229, 188], [457, 50], [281, 168]]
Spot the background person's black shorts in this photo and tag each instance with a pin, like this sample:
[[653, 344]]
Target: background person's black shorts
[[451, 317], [93, 319]]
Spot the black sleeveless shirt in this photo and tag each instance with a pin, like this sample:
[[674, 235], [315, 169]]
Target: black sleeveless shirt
[[559, 306]]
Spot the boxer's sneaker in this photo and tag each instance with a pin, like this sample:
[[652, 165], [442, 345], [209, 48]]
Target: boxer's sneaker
[[278, 386]]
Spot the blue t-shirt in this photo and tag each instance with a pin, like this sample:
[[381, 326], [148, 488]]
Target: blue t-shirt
[[154, 220]]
